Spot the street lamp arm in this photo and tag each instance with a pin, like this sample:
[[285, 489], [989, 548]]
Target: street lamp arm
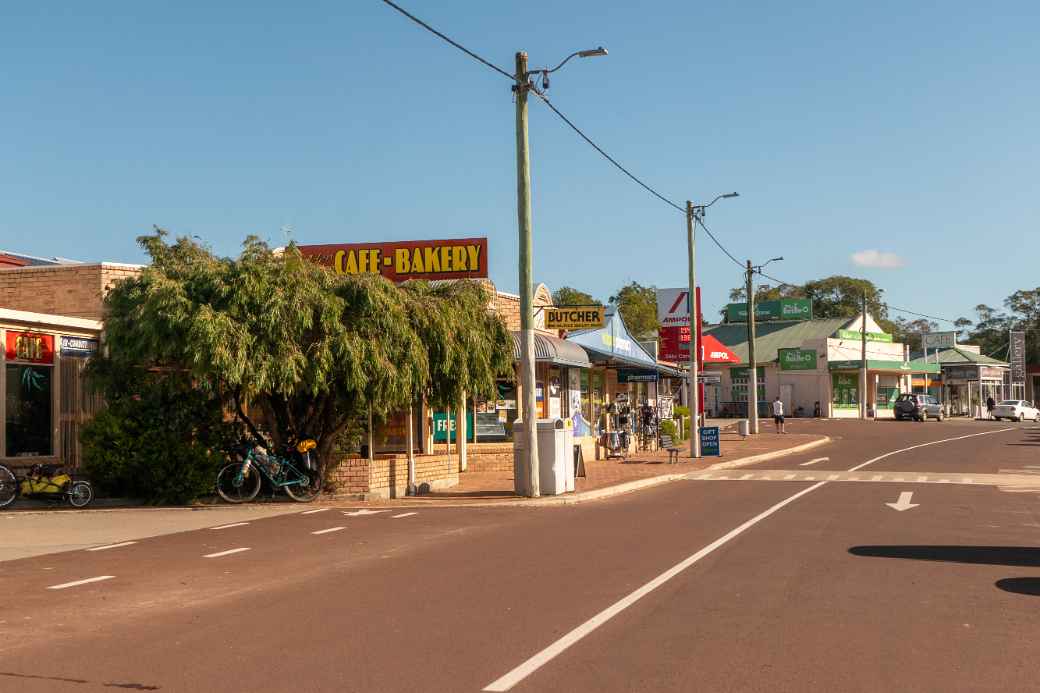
[[591, 53]]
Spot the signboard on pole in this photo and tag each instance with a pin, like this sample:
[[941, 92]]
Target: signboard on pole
[[575, 317], [938, 340], [797, 359], [398, 261], [782, 309], [673, 315], [673, 307], [1018, 357], [710, 446]]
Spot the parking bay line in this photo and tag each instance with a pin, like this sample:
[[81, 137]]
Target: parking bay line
[[550, 653], [233, 524], [327, 531], [226, 553], [106, 547], [555, 649], [77, 583], [818, 459]]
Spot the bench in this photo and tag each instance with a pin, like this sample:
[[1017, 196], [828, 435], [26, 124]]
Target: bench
[[667, 444]]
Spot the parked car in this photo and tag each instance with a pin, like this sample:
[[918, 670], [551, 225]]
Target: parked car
[[918, 408], [1016, 410]]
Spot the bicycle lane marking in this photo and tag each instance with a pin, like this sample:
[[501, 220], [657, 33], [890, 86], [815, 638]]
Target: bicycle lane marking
[[77, 583], [540, 659]]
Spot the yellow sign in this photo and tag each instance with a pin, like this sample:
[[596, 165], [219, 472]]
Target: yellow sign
[[575, 317]]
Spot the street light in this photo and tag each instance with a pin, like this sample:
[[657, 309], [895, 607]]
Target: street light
[[695, 213], [752, 361], [523, 208]]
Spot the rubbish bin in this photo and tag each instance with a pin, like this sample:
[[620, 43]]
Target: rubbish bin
[[555, 455], [743, 427]]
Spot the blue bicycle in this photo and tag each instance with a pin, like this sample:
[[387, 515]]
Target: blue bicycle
[[239, 482]]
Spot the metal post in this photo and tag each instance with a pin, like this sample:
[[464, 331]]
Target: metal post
[[691, 250], [523, 210], [411, 490], [753, 372], [863, 363], [462, 437]]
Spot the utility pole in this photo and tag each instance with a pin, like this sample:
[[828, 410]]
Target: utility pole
[[523, 211], [863, 362], [694, 399], [753, 371]]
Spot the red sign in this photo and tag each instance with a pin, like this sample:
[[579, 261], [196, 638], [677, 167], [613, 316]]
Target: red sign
[[398, 261], [675, 339], [30, 346], [714, 351]]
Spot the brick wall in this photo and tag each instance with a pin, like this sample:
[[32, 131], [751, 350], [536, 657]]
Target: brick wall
[[73, 290], [387, 477]]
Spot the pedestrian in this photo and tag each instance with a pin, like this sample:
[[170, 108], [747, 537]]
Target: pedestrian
[[990, 403], [778, 415]]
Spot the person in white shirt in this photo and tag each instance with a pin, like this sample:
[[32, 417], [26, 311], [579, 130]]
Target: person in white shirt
[[778, 415]]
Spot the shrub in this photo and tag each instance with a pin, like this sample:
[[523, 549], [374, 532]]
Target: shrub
[[163, 443], [668, 428]]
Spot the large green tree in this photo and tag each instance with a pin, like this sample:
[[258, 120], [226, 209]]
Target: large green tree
[[569, 296], [638, 307], [312, 351], [836, 296]]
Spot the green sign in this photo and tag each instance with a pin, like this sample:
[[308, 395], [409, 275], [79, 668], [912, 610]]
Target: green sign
[[797, 359], [744, 373], [871, 336], [782, 309], [441, 424], [844, 390]]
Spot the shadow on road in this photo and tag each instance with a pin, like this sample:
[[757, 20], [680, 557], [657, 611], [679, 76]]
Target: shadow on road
[[980, 555], [63, 679], [1021, 585]]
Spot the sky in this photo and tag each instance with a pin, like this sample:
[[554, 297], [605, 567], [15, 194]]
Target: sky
[[889, 140]]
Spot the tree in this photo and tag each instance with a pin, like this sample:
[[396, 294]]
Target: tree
[[295, 349], [638, 307], [568, 296], [841, 297]]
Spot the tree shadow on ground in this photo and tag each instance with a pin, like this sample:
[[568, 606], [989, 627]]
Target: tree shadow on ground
[[64, 679], [979, 555], [1020, 585]]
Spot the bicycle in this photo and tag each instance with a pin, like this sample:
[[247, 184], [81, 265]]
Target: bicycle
[[239, 482], [45, 482]]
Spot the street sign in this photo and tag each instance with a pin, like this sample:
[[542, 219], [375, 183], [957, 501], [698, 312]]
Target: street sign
[[938, 340], [1018, 356], [673, 307], [575, 317], [710, 446], [709, 377]]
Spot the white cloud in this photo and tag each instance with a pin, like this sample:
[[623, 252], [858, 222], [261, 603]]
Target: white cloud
[[878, 259]]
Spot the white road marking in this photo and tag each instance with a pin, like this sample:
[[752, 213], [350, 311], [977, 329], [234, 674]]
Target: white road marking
[[967, 481], [77, 583], [233, 524], [832, 477], [924, 445], [404, 515], [311, 512], [898, 478], [111, 546], [922, 478], [364, 511], [904, 502], [746, 476], [790, 476], [818, 459], [225, 553], [330, 529], [877, 477], [555, 649]]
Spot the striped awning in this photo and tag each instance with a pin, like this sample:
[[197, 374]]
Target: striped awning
[[549, 349]]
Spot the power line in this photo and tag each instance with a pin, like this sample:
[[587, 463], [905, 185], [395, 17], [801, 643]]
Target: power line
[[721, 247], [462, 48]]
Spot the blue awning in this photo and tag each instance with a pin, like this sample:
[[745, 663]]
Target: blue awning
[[612, 344]]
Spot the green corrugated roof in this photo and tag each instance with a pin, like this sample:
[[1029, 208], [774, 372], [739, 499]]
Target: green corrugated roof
[[955, 356], [772, 336]]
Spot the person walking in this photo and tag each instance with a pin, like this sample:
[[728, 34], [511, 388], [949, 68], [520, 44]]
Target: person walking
[[990, 403], [778, 415]]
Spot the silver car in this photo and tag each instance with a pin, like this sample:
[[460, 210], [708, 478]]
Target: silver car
[[1016, 410], [918, 408]]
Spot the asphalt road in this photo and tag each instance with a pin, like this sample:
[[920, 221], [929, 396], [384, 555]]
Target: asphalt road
[[743, 584]]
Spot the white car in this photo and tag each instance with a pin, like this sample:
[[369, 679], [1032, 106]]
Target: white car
[[1016, 410]]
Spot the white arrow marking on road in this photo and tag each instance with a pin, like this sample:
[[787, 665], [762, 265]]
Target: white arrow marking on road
[[818, 459], [904, 502], [364, 511], [77, 583]]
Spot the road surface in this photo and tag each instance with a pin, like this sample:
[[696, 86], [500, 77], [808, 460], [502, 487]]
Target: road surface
[[900, 557]]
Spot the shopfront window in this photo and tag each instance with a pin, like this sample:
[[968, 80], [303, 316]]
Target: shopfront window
[[596, 393], [29, 410], [741, 379], [845, 390]]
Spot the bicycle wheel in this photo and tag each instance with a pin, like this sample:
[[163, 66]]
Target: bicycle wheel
[[8, 487], [305, 493], [81, 494], [235, 487]]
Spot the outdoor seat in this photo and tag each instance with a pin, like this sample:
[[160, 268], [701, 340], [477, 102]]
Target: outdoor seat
[[667, 444]]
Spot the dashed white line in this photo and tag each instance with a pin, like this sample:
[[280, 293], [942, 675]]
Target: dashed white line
[[111, 546], [311, 512], [832, 477], [225, 553], [77, 583], [555, 649], [818, 459], [877, 477], [922, 478], [233, 524], [396, 517], [790, 476], [747, 476], [330, 529]]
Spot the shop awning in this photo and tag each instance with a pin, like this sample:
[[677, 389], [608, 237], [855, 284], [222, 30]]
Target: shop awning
[[549, 349], [716, 352], [878, 365], [613, 345]]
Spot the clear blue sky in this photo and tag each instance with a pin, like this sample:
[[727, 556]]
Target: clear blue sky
[[905, 128]]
